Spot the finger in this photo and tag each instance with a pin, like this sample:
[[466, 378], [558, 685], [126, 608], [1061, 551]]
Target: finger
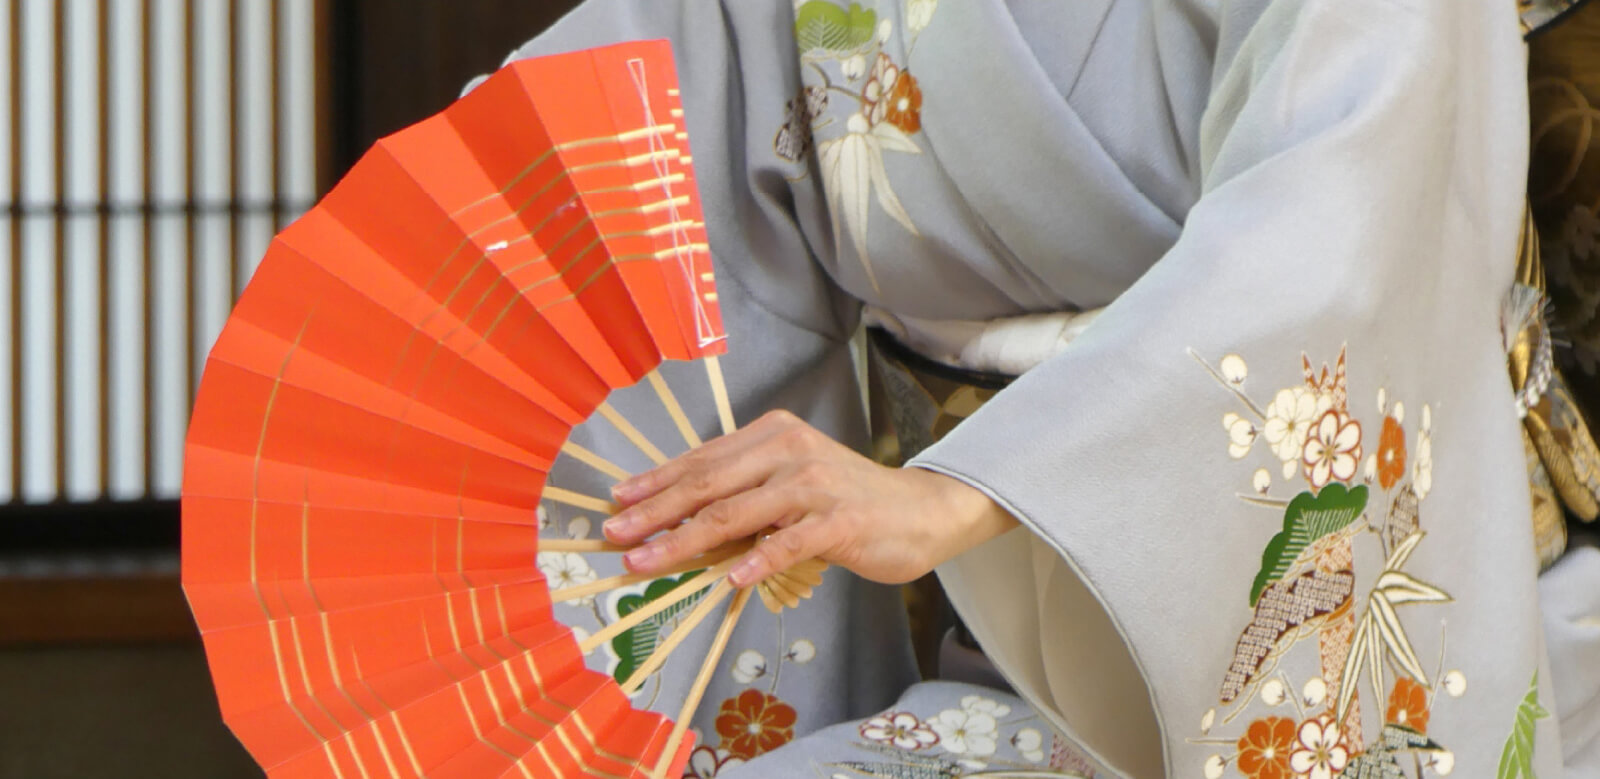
[[706, 481], [731, 519], [813, 536], [701, 486], [653, 481]]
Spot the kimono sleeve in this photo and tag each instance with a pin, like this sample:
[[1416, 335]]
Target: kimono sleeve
[[739, 75], [1326, 330]]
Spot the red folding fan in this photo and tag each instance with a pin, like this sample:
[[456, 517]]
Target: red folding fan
[[374, 428]]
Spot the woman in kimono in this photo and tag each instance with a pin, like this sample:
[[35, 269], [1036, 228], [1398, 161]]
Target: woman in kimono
[[1234, 284]]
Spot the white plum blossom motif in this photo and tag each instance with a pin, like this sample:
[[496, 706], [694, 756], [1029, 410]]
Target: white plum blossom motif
[[1215, 766], [1233, 369], [854, 68], [919, 13], [965, 732], [1273, 693], [1030, 743], [979, 704], [578, 528], [802, 651], [1315, 691], [1289, 421], [852, 165], [1333, 450], [565, 569], [749, 666], [1422, 463], [1241, 434], [1318, 750], [902, 729], [1441, 762], [1455, 683], [706, 762]]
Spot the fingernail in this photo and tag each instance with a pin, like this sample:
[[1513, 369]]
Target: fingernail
[[627, 491], [618, 524], [743, 573], [640, 557]]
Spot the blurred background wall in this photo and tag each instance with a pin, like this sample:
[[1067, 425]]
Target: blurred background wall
[[149, 150]]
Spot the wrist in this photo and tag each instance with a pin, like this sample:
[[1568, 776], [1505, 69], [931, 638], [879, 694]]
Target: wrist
[[970, 516]]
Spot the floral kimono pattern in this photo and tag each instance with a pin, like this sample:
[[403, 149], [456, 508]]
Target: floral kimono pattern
[[937, 730], [750, 723], [849, 62], [1152, 183], [1340, 487]]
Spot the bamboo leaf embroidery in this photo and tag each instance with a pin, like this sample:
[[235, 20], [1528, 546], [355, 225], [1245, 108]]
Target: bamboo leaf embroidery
[[1380, 631], [1516, 761]]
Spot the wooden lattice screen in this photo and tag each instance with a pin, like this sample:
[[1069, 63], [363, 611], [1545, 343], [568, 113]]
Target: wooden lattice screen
[[149, 149]]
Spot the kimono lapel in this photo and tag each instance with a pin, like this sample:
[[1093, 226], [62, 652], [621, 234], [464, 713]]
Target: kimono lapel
[[1024, 161]]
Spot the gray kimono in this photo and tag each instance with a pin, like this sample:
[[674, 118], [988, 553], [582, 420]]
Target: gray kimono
[[1274, 506]]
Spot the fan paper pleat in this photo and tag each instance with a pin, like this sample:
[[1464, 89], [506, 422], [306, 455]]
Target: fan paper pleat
[[374, 428]]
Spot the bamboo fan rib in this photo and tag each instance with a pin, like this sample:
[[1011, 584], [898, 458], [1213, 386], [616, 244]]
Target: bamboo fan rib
[[375, 427]]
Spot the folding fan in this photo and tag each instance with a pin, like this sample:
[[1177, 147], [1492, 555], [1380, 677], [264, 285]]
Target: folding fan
[[374, 428]]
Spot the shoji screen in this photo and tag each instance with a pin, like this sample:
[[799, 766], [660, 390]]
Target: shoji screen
[[149, 149]]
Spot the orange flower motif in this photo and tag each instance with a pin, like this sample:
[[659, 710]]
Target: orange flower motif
[[1408, 705], [754, 723], [892, 95], [904, 106], [1391, 453], [1265, 748]]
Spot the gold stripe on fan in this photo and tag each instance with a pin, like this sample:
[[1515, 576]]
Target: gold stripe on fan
[[657, 658], [688, 589], [674, 410], [701, 681]]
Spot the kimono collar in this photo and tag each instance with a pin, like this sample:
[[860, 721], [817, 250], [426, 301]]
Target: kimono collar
[[1024, 161]]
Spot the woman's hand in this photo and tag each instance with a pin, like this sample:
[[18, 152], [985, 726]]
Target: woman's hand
[[815, 497]]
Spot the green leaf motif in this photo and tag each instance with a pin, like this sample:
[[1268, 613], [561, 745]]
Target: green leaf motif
[[1516, 761], [636, 644], [1308, 518], [821, 25]]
